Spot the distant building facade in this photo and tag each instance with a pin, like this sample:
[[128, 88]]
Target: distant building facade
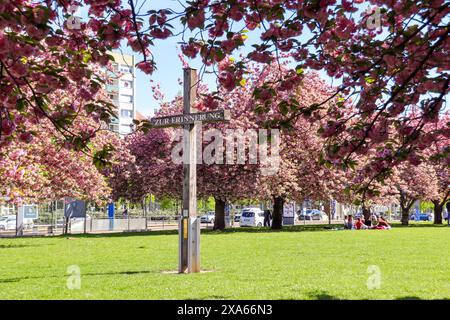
[[122, 91]]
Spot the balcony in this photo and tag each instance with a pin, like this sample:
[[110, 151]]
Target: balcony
[[112, 87]]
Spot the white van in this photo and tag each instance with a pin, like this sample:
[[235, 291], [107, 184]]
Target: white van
[[9, 223], [252, 217]]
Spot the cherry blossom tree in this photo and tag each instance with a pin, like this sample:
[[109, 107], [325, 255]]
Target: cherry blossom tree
[[156, 169], [385, 63], [411, 183], [42, 165], [228, 174], [294, 173], [43, 170], [41, 59], [151, 170], [300, 171], [443, 194], [440, 163], [384, 60]]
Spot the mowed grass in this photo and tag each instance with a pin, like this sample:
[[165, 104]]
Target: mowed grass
[[298, 263]]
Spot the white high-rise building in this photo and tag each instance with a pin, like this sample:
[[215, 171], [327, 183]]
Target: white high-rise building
[[122, 91]]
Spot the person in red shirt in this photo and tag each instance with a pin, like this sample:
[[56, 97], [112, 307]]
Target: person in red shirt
[[382, 224], [359, 224]]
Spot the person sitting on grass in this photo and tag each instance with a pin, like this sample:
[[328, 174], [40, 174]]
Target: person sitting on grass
[[382, 224], [374, 221], [360, 225], [349, 223]]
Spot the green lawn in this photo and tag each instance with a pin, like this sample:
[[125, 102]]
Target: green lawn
[[299, 263]]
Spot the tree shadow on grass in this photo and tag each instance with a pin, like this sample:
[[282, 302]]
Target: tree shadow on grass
[[64, 276], [417, 298], [419, 225], [298, 228], [120, 234], [212, 297], [17, 246], [121, 273], [321, 295]]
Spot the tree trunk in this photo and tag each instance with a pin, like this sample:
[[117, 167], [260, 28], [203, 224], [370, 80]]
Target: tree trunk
[[405, 212], [219, 214], [327, 209], [366, 213], [277, 215], [405, 203], [143, 206], [438, 208], [66, 226], [405, 216]]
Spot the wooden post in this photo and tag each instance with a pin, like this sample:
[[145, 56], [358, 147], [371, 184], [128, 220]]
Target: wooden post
[[189, 146], [19, 221], [189, 227]]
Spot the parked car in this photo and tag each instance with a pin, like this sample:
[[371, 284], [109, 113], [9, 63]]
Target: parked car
[[4, 222], [252, 217], [358, 215], [319, 215], [162, 217], [208, 217], [312, 214], [305, 214], [421, 217], [9, 223]]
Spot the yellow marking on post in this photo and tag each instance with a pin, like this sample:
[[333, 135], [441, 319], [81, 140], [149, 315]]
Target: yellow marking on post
[[185, 228]]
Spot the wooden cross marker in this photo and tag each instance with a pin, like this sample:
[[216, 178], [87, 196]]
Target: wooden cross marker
[[189, 227]]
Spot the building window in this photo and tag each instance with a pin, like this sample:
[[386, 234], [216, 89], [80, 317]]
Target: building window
[[125, 128], [126, 98], [125, 68], [126, 84], [114, 127], [126, 113]]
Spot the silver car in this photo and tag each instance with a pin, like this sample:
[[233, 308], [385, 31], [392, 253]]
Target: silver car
[[208, 217]]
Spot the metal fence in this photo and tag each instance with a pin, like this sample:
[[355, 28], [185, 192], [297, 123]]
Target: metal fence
[[105, 225], [51, 221], [98, 225]]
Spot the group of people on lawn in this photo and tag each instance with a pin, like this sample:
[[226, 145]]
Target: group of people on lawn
[[360, 224]]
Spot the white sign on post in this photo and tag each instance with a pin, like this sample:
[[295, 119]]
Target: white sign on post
[[27, 211], [288, 214], [30, 211]]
